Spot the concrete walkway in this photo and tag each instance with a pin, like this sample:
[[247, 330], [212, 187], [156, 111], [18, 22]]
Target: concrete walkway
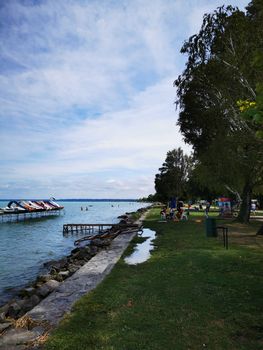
[[59, 302]]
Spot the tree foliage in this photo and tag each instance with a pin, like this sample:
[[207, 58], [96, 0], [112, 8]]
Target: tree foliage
[[171, 181], [220, 71]]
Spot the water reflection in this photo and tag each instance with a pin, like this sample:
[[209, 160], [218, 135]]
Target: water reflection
[[142, 250]]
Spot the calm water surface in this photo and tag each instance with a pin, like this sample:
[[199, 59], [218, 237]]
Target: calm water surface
[[142, 251], [25, 246]]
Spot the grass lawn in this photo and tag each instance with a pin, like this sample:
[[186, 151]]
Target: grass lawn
[[191, 294]]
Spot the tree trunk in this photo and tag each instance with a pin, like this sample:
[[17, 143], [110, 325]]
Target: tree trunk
[[244, 211]]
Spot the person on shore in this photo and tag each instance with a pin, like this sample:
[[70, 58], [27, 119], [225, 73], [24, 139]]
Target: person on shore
[[163, 213], [207, 208], [172, 212], [177, 217], [180, 209], [168, 211], [184, 215]]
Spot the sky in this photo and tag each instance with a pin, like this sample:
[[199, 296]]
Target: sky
[[87, 96]]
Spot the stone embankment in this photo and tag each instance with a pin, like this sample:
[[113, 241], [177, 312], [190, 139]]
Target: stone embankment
[[28, 318]]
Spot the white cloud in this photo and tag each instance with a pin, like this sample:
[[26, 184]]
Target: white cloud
[[86, 94]]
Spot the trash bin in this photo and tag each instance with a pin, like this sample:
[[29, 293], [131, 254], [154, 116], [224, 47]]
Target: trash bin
[[210, 225]]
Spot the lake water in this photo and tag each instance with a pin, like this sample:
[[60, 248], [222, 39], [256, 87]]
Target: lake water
[[26, 245]]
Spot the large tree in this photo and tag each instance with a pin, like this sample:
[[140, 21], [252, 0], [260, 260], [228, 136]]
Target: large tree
[[171, 181], [218, 73], [252, 110]]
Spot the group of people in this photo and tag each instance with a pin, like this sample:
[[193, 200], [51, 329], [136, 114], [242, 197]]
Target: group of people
[[81, 208], [175, 214], [179, 213]]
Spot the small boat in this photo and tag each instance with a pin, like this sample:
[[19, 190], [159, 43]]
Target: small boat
[[27, 206], [41, 204], [56, 205], [47, 205], [35, 205], [13, 207]]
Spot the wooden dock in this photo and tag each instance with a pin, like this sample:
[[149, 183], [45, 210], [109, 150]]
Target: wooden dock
[[92, 228], [22, 216]]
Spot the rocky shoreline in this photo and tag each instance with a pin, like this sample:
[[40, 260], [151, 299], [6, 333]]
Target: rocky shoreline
[[58, 271]]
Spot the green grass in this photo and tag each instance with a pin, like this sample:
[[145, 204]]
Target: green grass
[[191, 294]]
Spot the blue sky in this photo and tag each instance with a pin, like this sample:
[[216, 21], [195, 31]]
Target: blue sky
[[87, 96]]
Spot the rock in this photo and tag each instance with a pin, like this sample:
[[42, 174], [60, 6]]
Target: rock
[[73, 268], [44, 278], [27, 291], [56, 264], [4, 308], [47, 288], [4, 326], [3, 312], [58, 278], [107, 242], [16, 337], [52, 285], [81, 262], [100, 242], [96, 242], [2, 316], [21, 302], [81, 254], [53, 271], [76, 250], [64, 274], [88, 249], [13, 310], [123, 217], [49, 263], [93, 250], [29, 304], [39, 284], [43, 291]]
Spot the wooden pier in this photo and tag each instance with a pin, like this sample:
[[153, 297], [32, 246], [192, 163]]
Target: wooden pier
[[22, 216], [92, 228], [90, 232]]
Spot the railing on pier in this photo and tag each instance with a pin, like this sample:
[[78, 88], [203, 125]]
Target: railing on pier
[[91, 228]]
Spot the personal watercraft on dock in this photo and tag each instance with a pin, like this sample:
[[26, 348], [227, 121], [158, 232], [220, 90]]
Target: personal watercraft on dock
[[30, 206]]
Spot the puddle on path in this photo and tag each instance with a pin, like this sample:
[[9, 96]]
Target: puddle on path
[[142, 250]]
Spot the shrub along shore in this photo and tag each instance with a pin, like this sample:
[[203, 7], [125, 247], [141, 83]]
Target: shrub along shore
[[191, 294]]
